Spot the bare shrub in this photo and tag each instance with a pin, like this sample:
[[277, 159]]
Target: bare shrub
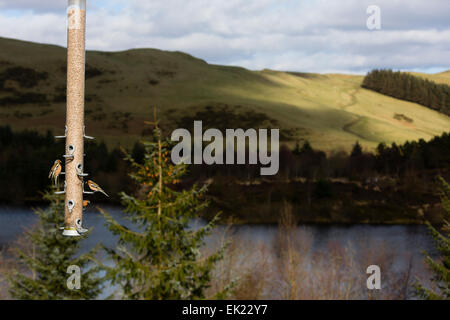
[[290, 267]]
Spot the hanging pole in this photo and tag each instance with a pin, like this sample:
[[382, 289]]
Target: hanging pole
[[74, 153]]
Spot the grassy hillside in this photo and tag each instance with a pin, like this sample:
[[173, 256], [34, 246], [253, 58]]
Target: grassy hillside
[[441, 77], [331, 111]]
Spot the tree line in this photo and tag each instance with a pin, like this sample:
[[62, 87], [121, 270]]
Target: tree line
[[411, 88], [25, 155], [307, 162]]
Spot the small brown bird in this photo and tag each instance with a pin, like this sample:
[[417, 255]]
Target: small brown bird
[[55, 171], [85, 203], [95, 187]]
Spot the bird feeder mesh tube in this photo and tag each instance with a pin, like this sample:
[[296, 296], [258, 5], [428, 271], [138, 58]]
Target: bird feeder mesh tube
[[76, 12], [76, 35], [81, 4]]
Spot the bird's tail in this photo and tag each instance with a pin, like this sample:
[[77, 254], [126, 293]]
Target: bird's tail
[[103, 192]]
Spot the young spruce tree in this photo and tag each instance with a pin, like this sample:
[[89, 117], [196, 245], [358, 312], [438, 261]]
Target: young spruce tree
[[440, 267], [159, 257], [43, 273]]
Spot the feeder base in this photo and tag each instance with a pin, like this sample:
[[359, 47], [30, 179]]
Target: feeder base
[[82, 230], [71, 232]]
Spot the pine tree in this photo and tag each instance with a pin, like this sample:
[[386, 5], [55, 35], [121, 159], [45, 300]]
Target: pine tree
[[405, 86], [306, 148], [357, 150], [44, 271], [158, 257], [297, 149], [440, 267]]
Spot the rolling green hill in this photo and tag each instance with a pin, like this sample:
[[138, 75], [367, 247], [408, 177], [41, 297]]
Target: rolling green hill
[[332, 111], [441, 77]]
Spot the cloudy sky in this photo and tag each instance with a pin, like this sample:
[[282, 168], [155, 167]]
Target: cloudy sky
[[296, 35]]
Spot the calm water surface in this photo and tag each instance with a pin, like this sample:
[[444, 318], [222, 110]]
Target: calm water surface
[[404, 238]]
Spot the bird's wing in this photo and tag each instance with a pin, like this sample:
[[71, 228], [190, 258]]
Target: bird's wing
[[52, 170]]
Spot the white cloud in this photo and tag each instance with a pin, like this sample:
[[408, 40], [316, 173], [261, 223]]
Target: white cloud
[[34, 5], [297, 35]]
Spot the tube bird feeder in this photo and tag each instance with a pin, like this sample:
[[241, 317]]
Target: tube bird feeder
[[75, 128]]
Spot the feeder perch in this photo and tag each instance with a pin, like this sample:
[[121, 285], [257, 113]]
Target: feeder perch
[[80, 229], [80, 172], [85, 136], [62, 192], [70, 152], [64, 136]]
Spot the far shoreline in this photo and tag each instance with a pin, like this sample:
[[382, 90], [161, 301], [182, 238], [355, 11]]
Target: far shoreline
[[225, 221]]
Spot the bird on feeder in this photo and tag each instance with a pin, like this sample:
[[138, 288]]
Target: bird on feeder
[[95, 187], [55, 171], [85, 204]]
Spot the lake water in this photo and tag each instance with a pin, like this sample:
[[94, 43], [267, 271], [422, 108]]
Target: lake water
[[404, 245]]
